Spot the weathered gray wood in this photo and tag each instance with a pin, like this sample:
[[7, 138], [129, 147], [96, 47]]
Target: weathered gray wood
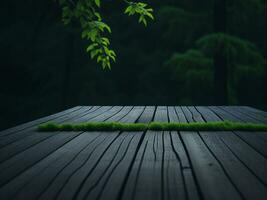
[[211, 177], [234, 112], [38, 121], [236, 170], [121, 114], [254, 161], [135, 165], [64, 157], [156, 163], [67, 185], [33, 126], [187, 114], [244, 111], [37, 137], [257, 140], [179, 149], [17, 164], [180, 114], [224, 115], [74, 185], [147, 115], [8, 139], [13, 166], [246, 118], [255, 110], [29, 184], [177, 143], [118, 175]]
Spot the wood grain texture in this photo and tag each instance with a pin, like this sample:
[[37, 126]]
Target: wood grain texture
[[136, 165]]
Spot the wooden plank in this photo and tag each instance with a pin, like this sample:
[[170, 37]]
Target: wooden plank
[[118, 171], [237, 172], [82, 115], [242, 110], [22, 161], [197, 117], [48, 168], [161, 114], [70, 181], [106, 115], [258, 115], [17, 164], [134, 115], [6, 140], [246, 118], [257, 140], [179, 149], [254, 161], [37, 137], [38, 121], [152, 167], [30, 183], [180, 114], [172, 114], [187, 114], [136, 165], [177, 143], [118, 154], [126, 110], [224, 115], [255, 110], [80, 183], [156, 162], [144, 169], [211, 178], [92, 115], [147, 115]]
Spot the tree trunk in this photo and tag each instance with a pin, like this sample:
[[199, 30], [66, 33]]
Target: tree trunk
[[220, 59]]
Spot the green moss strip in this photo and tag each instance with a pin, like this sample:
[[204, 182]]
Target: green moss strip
[[157, 126]]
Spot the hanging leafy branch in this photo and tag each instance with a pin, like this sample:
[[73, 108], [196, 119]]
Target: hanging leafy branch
[[139, 8], [93, 27]]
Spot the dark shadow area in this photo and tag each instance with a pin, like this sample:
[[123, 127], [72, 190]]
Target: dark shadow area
[[193, 53]]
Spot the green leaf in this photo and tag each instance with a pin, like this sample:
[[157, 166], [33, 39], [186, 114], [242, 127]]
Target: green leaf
[[98, 16], [141, 18], [108, 64], [97, 2], [128, 9], [91, 47], [149, 10], [132, 11], [92, 34], [149, 15], [99, 58], [103, 64], [85, 33], [140, 4], [83, 11], [113, 58], [112, 53], [94, 53], [144, 21], [108, 28], [105, 40]]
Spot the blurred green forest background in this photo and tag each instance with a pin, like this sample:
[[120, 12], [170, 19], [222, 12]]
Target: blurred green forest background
[[45, 68]]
